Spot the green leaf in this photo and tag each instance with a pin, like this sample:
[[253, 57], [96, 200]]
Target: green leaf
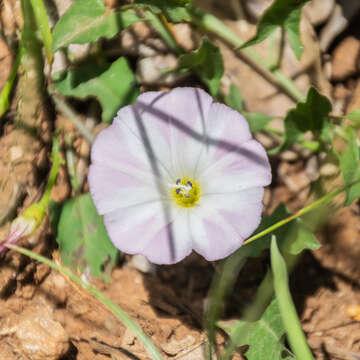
[[354, 116], [287, 310], [87, 21], [114, 86], [174, 10], [234, 99], [264, 337], [285, 14], [293, 237], [207, 63], [349, 166], [311, 115], [82, 237], [257, 121]]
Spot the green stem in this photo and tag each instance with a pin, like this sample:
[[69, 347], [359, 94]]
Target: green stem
[[70, 114], [158, 24], [71, 165], [213, 25], [288, 312], [301, 212], [126, 320], [5, 92], [56, 160], [220, 287], [43, 25]]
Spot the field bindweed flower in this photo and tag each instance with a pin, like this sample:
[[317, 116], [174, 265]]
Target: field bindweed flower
[[177, 172]]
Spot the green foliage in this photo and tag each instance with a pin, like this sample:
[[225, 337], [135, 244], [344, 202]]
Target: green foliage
[[350, 167], [87, 21], [114, 86], [285, 14], [82, 236], [207, 63], [288, 313], [294, 237], [354, 116], [264, 337], [311, 115], [174, 10], [256, 121]]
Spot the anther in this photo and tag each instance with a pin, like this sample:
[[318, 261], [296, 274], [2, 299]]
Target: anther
[[178, 191], [178, 181], [188, 183]]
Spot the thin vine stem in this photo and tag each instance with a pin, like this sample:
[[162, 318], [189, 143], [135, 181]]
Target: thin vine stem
[[119, 313], [213, 25], [44, 27], [301, 212], [5, 92]]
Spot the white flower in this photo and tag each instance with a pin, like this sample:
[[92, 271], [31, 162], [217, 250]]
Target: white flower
[[177, 172]]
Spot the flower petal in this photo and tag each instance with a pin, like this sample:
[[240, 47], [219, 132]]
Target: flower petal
[[113, 189], [224, 221], [179, 118], [160, 234], [245, 168]]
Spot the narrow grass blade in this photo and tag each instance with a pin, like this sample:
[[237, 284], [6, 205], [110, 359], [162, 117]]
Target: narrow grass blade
[[289, 316], [125, 319]]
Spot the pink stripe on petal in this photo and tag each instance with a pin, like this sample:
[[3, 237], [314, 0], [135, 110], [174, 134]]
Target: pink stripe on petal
[[171, 244], [212, 239]]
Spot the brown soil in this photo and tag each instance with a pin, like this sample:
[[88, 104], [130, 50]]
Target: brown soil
[[45, 316]]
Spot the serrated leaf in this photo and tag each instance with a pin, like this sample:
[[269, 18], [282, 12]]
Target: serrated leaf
[[311, 115], [174, 10], [264, 337], [293, 237], [87, 21], [285, 14], [350, 167], [207, 63], [82, 237], [114, 86]]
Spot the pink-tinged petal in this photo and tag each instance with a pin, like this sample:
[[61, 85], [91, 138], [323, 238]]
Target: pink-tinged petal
[[172, 244], [213, 238], [112, 147], [245, 168], [113, 189], [242, 210], [148, 229], [224, 221], [174, 124]]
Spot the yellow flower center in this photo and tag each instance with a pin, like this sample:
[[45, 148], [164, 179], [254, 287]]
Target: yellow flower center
[[186, 192]]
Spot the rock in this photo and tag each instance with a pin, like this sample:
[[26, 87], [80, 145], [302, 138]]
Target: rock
[[318, 11], [141, 263], [175, 346], [256, 7], [345, 58], [139, 40], [40, 336], [328, 170], [185, 37], [152, 70], [335, 25]]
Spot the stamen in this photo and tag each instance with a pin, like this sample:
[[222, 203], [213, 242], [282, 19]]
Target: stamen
[[188, 183], [178, 181]]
